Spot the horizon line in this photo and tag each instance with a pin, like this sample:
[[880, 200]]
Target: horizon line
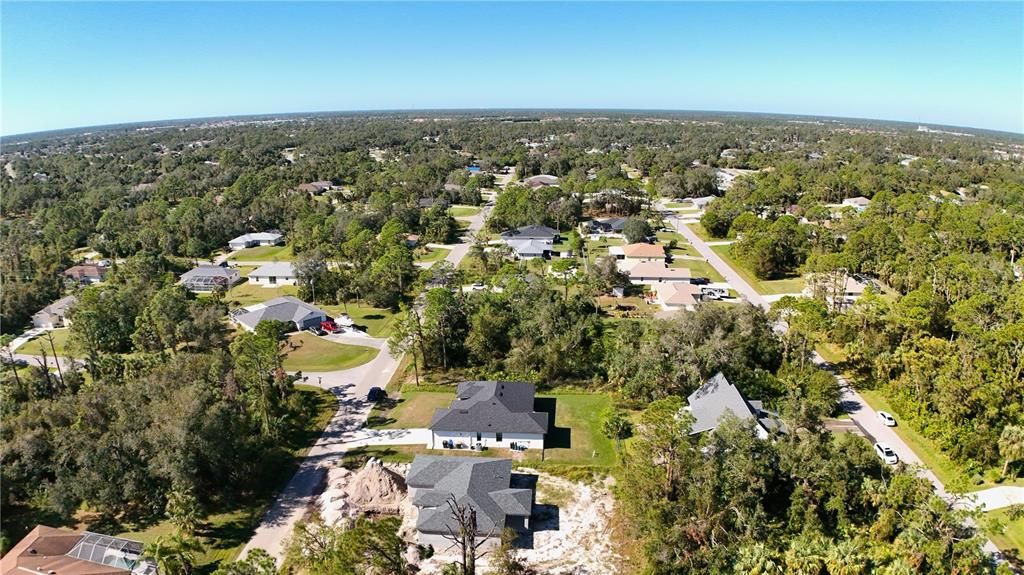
[[370, 111]]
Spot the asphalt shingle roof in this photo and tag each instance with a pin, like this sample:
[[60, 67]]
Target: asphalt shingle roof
[[276, 269], [530, 233], [284, 308], [713, 399], [482, 483], [492, 406], [209, 271]]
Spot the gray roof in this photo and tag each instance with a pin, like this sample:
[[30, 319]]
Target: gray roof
[[541, 180], [530, 233], [209, 271], [615, 224], [529, 247], [59, 307], [714, 399], [483, 483], [276, 269], [257, 237], [492, 406], [284, 308]]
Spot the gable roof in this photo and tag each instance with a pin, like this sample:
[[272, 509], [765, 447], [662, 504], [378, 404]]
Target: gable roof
[[483, 483], [642, 250], [541, 180], [677, 293], [209, 271], [717, 397], [658, 270], [284, 308], [275, 269], [614, 224], [59, 307], [257, 237], [491, 406], [523, 247], [530, 233]]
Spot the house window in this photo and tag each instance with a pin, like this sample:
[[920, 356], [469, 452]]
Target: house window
[[273, 280], [478, 437], [497, 437]]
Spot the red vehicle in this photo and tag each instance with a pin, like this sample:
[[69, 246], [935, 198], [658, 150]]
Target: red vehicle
[[329, 326]]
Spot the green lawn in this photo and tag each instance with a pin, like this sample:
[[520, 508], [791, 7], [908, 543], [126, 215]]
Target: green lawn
[[575, 438], [463, 211], [41, 344], [791, 285], [227, 529], [426, 255], [264, 254], [701, 232], [1012, 539], [699, 269], [312, 353], [246, 293], [376, 321], [672, 205], [599, 248]]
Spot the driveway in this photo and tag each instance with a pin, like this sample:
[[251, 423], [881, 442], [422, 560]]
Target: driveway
[[350, 387], [734, 279]]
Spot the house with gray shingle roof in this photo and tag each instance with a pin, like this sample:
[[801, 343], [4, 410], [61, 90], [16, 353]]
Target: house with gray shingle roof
[[273, 274], [501, 499], [490, 414], [255, 239], [285, 308], [718, 397]]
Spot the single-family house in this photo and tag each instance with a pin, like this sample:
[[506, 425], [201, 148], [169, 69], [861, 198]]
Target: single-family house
[[316, 187], [702, 202], [255, 239], [54, 315], [837, 292], [501, 499], [650, 272], [490, 414], [541, 181], [676, 295], [273, 274], [531, 233], [285, 308], [47, 550], [639, 252], [207, 278], [86, 274], [717, 398], [859, 203], [529, 249], [428, 203], [608, 225]]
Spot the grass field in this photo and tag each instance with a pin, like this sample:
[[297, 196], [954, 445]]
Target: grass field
[[246, 293], [701, 232], [376, 321], [765, 287], [676, 205], [699, 269], [574, 439], [227, 530], [314, 353], [41, 344], [599, 248], [463, 211], [1012, 539], [426, 255]]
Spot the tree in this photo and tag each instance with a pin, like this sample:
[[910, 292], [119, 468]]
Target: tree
[[444, 329], [174, 554], [264, 384], [505, 560], [183, 510], [256, 562], [604, 275], [1011, 446], [311, 270], [407, 337], [390, 275], [165, 322], [565, 270], [616, 425], [465, 536], [637, 230]]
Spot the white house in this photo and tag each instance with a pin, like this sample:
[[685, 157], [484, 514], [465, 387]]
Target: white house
[[653, 272], [639, 252], [676, 295], [859, 203], [286, 308], [255, 239], [530, 249], [54, 315], [273, 274], [490, 414]]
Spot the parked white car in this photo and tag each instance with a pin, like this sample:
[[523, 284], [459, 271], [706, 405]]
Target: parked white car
[[886, 453], [887, 418]]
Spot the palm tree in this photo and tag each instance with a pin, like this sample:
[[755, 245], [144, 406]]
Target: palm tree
[[757, 559], [173, 555], [845, 558], [1011, 445]]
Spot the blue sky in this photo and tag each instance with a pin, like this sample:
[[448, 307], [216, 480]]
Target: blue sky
[[77, 64]]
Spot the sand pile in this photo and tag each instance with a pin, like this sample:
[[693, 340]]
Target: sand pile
[[373, 489]]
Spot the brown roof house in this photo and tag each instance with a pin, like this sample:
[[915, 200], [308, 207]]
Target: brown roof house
[[49, 551], [86, 273]]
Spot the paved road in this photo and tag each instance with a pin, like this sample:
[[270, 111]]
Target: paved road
[[852, 402], [350, 387], [459, 250]]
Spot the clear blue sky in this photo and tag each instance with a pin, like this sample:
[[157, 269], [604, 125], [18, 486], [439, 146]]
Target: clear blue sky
[[75, 64]]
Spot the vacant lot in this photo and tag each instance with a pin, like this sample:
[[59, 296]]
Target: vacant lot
[[229, 527], [412, 409], [701, 232], [264, 254], [426, 255], [1012, 539], [792, 285], [312, 353]]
